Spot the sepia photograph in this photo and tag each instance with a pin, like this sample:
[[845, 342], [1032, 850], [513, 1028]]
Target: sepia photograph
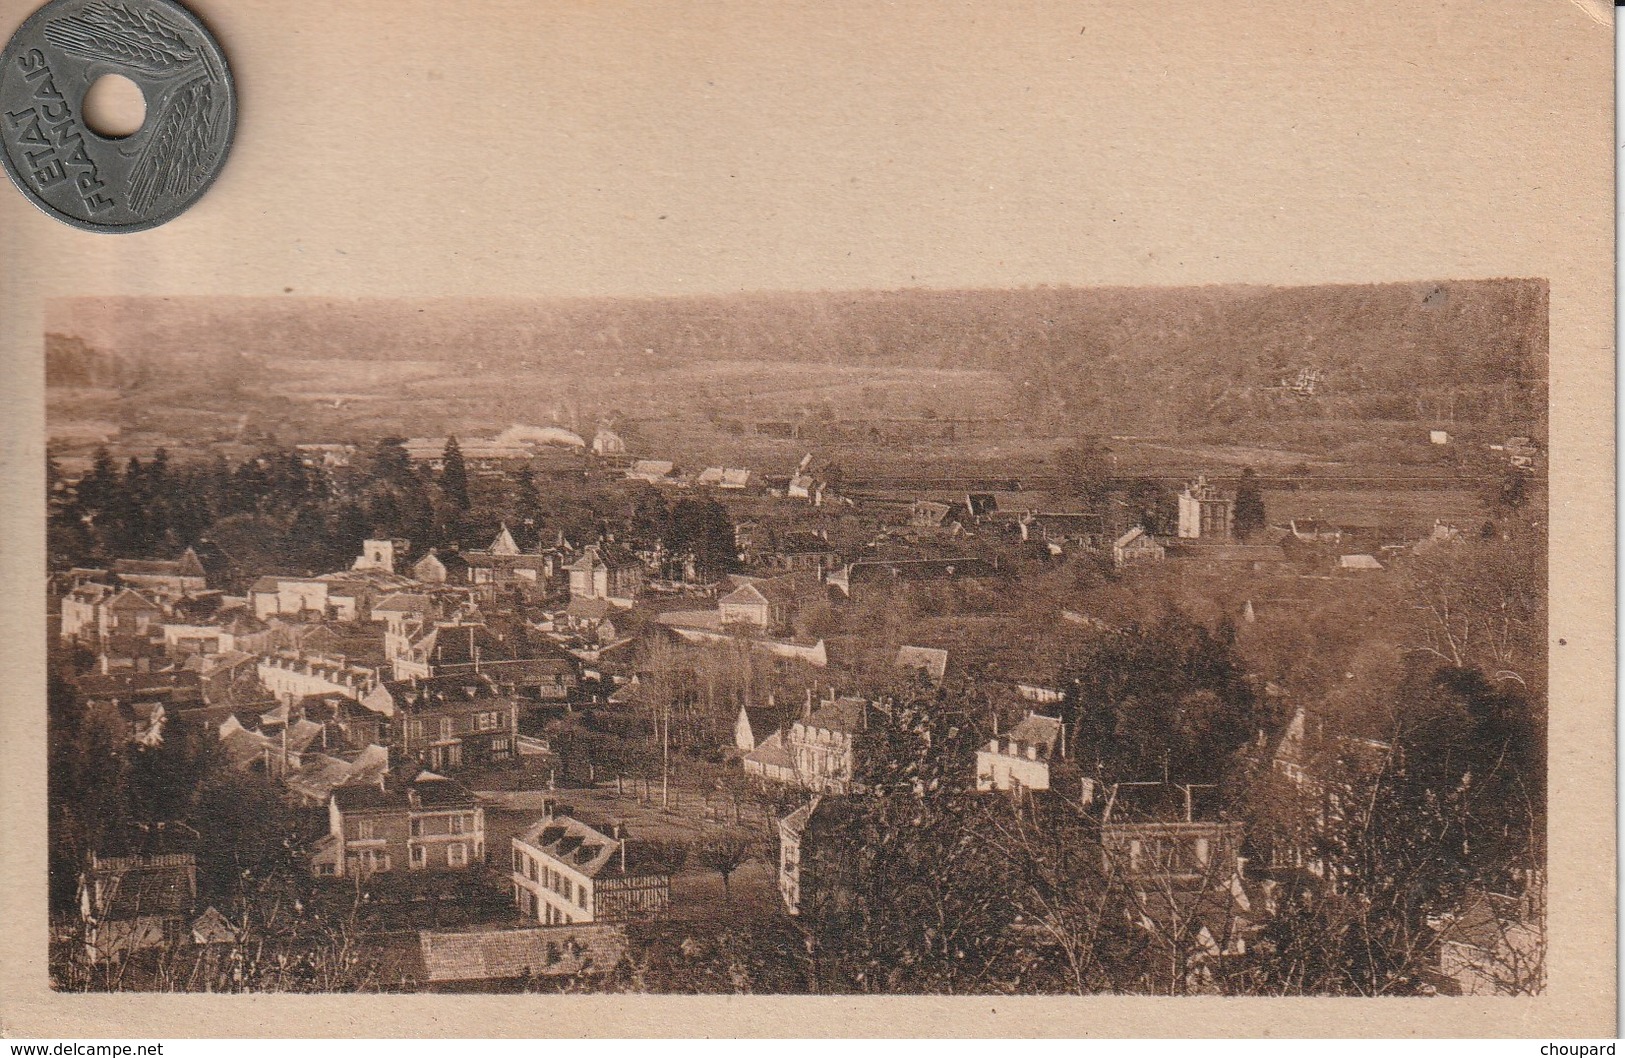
[[1031, 641], [1052, 520]]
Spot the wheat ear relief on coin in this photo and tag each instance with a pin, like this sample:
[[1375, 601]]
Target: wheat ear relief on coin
[[101, 182]]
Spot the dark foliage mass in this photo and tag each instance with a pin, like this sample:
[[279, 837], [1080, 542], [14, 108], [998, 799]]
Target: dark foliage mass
[[273, 513], [1169, 700]]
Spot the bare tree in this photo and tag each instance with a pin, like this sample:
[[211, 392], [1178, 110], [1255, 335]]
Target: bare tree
[[725, 854]]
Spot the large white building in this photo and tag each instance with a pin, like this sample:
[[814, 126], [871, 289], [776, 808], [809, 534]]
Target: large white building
[[569, 871]]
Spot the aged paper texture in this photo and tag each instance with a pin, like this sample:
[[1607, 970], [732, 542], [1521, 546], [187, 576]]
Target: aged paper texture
[[624, 467]]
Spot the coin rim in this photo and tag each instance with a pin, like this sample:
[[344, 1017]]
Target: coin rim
[[209, 41]]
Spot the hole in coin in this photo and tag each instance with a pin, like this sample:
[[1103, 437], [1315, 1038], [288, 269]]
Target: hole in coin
[[114, 107]]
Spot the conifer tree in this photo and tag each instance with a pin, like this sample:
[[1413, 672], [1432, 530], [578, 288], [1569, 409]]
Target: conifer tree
[[454, 475], [1250, 515]]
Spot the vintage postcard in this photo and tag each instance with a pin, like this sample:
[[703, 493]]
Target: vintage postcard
[[1008, 519]]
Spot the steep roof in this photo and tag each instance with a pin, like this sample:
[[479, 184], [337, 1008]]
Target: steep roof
[[843, 714], [795, 824], [1043, 732], [503, 543], [610, 555], [318, 774], [130, 599], [770, 752], [212, 927], [929, 660], [1134, 534], [763, 719], [588, 849], [745, 595]]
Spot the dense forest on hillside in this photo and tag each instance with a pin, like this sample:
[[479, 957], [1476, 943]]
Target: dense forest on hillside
[[1170, 360]]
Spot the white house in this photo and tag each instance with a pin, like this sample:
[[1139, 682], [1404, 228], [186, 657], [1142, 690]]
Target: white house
[[1020, 760], [568, 871]]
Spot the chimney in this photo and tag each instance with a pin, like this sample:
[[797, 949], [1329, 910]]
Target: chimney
[[806, 710], [1086, 792]]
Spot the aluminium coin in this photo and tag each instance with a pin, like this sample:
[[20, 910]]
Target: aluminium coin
[[103, 183]]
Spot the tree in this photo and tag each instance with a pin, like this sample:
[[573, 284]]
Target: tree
[[1506, 490], [527, 499], [391, 465], [1249, 511], [725, 854], [1169, 699], [702, 529], [903, 894], [1087, 467], [1482, 604], [454, 475], [1402, 832]]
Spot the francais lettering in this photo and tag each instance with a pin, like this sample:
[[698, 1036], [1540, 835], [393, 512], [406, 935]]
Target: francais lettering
[[51, 139]]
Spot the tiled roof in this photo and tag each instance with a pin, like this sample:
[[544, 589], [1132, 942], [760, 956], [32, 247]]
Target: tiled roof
[[502, 954], [318, 775], [185, 566], [933, 662], [581, 845], [143, 885], [803, 543], [212, 927], [441, 793], [770, 752], [763, 720], [869, 570], [371, 799], [784, 589], [795, 823], [842, 714], [1041, 731], [129, 599]]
